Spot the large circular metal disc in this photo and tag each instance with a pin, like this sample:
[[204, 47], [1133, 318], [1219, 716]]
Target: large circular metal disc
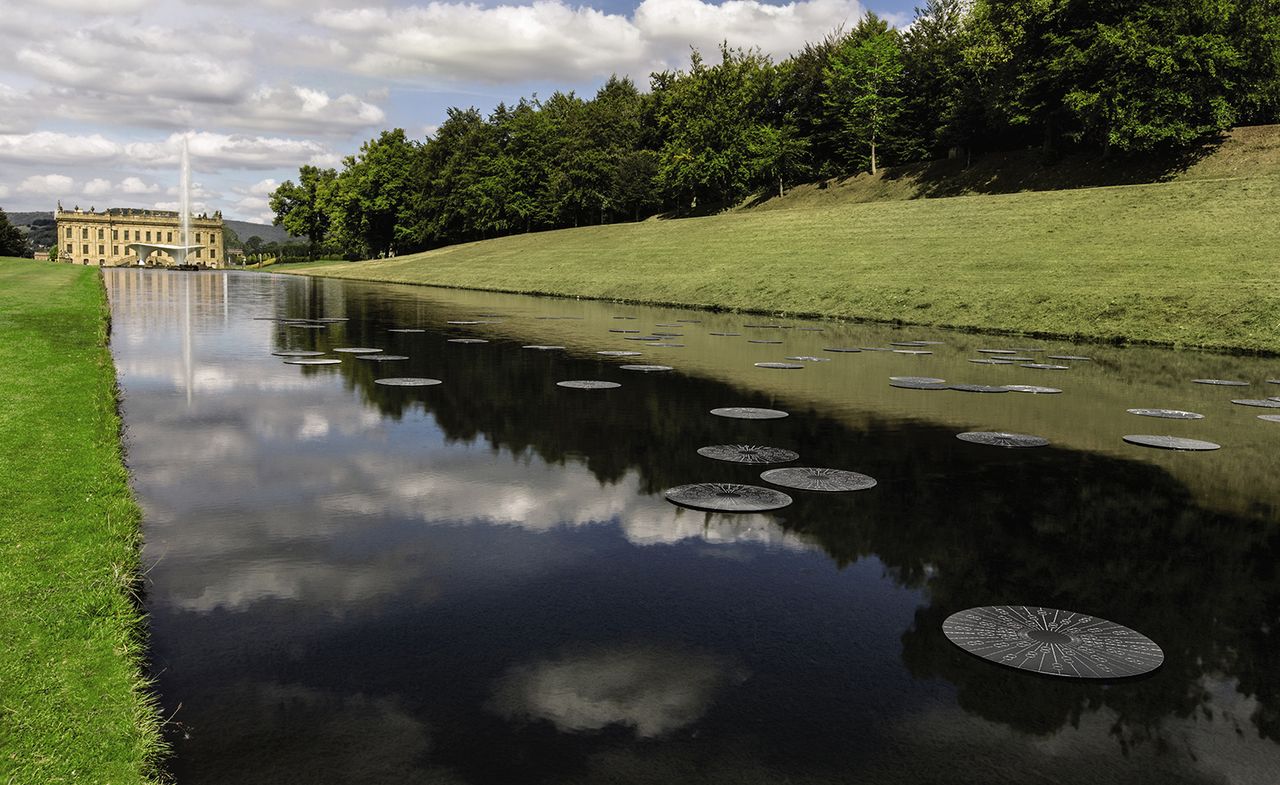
[[624, 317], [332, 319], [297, 353], [911, 351], [980, 388], [618, 353], [804, 358], [754, 340], [408, 381], [748, 413], [1273, 381], [1053, 642], [464, 321], [541, 347], [1012, 359], [1045, 367], [996, 351], [1002, 439], [313, 361], [992, 361], [588, 384], [645, 368], [727, 497], [1075, 357], [1034, 389], [381, 358], [667, 335], [642, 338], [725, 335], [1168, 414], [917, 379], [1171, 443], [307, 326], [913, 385], [1269, 417], [764, 326], [406, 330], [357, 349], [1264, 403], [1221, 382], [623, 331], [910, 343], [467, 340], [747, 453], [841, 349], [812, 479], [780, 366]]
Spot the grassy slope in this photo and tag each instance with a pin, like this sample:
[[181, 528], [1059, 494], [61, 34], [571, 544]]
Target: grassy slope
[[73, 707], [1190, 262]]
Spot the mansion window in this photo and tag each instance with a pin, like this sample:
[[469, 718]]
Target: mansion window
[[148, 236], [115, 234], [84, 233], [100, 234], [68, 232], [102, 248], [85, 249], [169, 239], [115, 250]]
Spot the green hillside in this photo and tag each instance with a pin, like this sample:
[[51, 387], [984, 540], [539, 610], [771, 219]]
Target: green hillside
[[1191, 261]]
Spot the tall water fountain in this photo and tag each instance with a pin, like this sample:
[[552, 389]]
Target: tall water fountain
[[184, 203]]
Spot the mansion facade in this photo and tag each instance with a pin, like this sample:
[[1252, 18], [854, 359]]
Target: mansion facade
[[118, 236]]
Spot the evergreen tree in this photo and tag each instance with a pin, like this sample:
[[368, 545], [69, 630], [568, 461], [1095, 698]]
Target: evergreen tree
[[12, 241]]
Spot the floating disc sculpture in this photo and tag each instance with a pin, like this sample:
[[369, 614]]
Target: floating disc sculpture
[[1273, 381], [912, 385], [911, 351], [463, 321], [980, 388], [1221, 382], [408, 381], [1269, 417], [1168, 414], [689, 321], [915, 343], [748, 413], [1002, 439], [1013, 359], [992, 361], [588, 384], [312, 361], [1171, 443], [307, 326], [764, 326], [623, 331], [618, 353], [996, 351], [1075, 357], [727, 497], [668, 345], [667, 335], [756, 340], [381, 358], [357, 350], [332, 319], [467, 340], [1265, 403], [297, 353], [780, 366], [1045, 367], [726, 335], [1034, 389], [646, 368], [642, 338], [807, 359], [917, 379], [841, 349], [624, 317], [541, 347], [747, 453], [874, 349], [406, 330], [811, 479], [1053, 642]]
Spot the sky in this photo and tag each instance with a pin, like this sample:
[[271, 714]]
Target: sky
[[96, 96]]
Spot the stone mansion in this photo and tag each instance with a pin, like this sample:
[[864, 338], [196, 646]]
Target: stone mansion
[[118, 236]]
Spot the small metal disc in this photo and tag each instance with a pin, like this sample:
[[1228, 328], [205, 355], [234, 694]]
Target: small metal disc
[[357, 350], [1002, 439], [588, 384], [908, 385], [918, 379], [541, 347], [1273, 381], [624, 317], [748, 413], [911, 351], [381, 358], [406, 330], [667, 335], [1168, 414], [1264, 403], [996, 351], [490, 315], [645, 368], [1075, 357], [811, 479], [1053, 642], [331, 319], [1269, 417], [1012, 359], [668, 345], [874, 349], [623, 331], [463, 321], [979, 388], [307, 326], [618, 353], [727, 497], [992, 361], [726, 335], [1045, 367], [1033, 389], [780, 366], [312, 361], [1171, 443], [750, 340], [807, 359], [297, 353], [747, 453], [641, 338], [841, 349], [1025, 349], [467, 340], [408, 381], [764, 326], [914, 343], [1221, 382]]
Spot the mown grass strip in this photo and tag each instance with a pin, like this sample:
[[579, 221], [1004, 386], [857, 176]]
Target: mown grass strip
[[1185, 263], [74, 706]]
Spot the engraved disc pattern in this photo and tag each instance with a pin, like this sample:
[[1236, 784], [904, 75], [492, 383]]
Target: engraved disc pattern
[[313, 361], [842, 349], [357, 350], [1002, 439], [780, 366], [618, 353], [979, 388], [408, 381], [1168, 414], [747, 453], [1034, 389], [467, 340], [1170, 443], [814, 479], [727, 497], [645, 368], [381, 358], [1053, 642], [1221, 382], [748, 413], [588, 384], [1263, 403]]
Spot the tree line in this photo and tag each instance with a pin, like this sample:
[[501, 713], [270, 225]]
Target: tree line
[[1117, 77]]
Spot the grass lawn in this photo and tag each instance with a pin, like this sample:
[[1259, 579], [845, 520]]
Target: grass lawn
[[1188, 263], [73, 705]]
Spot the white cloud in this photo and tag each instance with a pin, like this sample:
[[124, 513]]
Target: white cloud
[[50, 147], [4, 191], [47, 185], [98, 7], [134, 185], [96, 187], [263, 187], [215, 151]]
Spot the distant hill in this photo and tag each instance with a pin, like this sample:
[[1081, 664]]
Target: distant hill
[[32, 224]]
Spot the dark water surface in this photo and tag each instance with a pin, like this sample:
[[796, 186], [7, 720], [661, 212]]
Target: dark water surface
[[480, 582]]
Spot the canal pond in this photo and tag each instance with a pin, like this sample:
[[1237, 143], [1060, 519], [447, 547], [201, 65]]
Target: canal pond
[[481, 581]]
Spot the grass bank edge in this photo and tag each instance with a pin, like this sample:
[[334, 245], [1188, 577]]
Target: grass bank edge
[[78, 703]]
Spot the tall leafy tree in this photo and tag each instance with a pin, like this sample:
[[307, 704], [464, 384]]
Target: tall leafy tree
[[12, 241], [864, 90], [301, 209]]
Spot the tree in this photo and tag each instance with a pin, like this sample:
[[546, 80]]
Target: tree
[[635, 183], [253, 244], [53, 252], [863, 89], [780, 153], [936, 108], [301, 208], [12, 241]]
